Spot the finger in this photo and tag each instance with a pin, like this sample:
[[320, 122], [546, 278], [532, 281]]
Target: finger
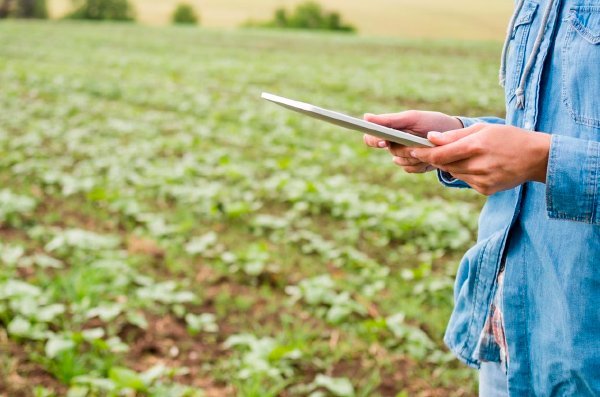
[[375, 142], [465, 167], [399, 150], [398, 121], [482, 183], [474, 181], [413, 169], [477, 183], [450, 153], [439, 139], [404, 162]]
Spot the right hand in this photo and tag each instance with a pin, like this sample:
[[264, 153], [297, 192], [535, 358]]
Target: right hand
[[416, 122]]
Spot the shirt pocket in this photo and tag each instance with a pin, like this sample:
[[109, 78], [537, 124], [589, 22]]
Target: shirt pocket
[[581, 65], [518, 48]]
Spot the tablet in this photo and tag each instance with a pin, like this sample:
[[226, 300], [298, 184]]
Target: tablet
[[352, 123]]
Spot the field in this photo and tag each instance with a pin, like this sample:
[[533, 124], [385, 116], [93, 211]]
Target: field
[[164, 232], [459, 19]]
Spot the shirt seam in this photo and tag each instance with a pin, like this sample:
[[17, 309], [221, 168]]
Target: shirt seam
[[551, 173], [594, 166], [566, 47]]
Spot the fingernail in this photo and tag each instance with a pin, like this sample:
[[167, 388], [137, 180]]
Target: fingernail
[[433, 134], [413, 154], [382, 144]]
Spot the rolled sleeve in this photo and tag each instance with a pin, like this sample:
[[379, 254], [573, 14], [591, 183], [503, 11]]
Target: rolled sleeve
[[573, 180], [444, 177], [469, 121], [448, 180]]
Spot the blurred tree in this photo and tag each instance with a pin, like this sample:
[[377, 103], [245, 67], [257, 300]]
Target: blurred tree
[[307, 15], [23, 9], [185, 14], [116, 10], [280, 19], [5, 8]]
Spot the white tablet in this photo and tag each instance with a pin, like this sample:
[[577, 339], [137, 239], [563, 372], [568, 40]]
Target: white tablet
[[342, 120]]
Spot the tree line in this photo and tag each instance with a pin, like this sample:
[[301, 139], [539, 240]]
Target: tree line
[[23, 9], [307, 15], [114, 10]]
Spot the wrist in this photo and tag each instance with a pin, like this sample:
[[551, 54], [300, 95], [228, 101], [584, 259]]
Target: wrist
[[540, 152]]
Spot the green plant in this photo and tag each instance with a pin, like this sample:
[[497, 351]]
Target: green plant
[[320, 292], [14, 207], [308, 15], [114, 10], [340, 387], [262, 356], [185, 14]]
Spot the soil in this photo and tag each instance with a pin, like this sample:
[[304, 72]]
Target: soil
[[19, 375]]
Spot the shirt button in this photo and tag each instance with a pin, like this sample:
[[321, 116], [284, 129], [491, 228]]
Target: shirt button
[[527, 125]]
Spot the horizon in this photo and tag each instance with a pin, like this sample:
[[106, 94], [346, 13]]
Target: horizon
[[428, 19]]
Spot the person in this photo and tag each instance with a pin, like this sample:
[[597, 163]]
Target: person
[[527, 295]]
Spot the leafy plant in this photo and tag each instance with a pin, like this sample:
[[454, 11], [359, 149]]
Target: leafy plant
[[412, 339], [114, 10], [121, 380], [320, 292], [185, 14], [340, 387], [307, 15], [203, 322], [262, 356], [14, 206]]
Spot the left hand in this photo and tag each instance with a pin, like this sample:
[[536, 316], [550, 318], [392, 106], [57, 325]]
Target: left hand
[[489, 157], [416, 122]]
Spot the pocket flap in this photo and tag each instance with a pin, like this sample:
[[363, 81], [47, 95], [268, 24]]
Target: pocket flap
[[527, 14], [586, 21]]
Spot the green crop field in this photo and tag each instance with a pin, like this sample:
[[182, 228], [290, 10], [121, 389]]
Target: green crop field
[[443, 19], [164, 232]]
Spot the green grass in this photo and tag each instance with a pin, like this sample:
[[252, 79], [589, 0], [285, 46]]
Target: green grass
[[163, 230]]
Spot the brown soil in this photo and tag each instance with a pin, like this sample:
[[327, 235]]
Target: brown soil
[[166, 341], [18, 375], [144, 246]]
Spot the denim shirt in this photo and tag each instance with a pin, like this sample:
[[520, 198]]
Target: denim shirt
[[545, 236]]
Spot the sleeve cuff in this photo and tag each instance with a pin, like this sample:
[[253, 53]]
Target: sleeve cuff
[[573, 180], [469, 121], [448, 180]]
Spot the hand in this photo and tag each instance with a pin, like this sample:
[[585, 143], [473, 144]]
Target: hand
[[490, 158], [415, 122]]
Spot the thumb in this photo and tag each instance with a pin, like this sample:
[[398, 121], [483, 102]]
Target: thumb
[[440, 139]]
